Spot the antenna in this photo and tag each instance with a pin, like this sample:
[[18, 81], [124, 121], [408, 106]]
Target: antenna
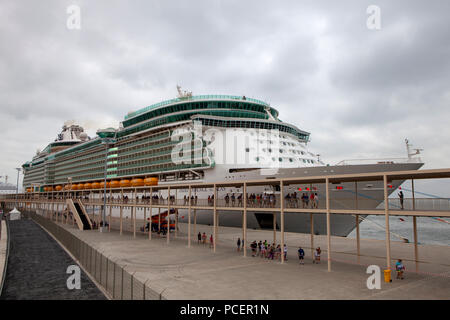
[[408, 149]]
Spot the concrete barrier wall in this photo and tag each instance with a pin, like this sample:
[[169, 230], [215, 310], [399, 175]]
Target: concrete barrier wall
[[4, 248], [114, 279]]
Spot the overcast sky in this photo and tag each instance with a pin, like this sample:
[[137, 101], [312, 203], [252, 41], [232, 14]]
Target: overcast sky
[[360, 92]]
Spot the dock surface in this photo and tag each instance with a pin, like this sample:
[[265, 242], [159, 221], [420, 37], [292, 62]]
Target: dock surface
[[177, 272]]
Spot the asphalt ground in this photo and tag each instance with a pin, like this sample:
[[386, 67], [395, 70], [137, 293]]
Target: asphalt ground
[[37, 268]]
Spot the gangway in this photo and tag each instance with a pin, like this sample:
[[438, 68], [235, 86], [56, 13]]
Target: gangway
[[79, 213]]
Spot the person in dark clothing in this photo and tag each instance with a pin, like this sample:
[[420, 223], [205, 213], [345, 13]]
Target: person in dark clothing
[[401, 197]]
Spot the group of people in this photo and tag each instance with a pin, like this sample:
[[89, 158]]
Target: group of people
[[193, 200], [264, 249], [233, 200], [201, 238], [292, 200], [274, 251], [262, 200]]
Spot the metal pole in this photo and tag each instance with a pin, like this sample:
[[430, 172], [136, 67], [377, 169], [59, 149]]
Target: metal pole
[[176, 214], [386, 213], [282, 219], [145, 211], [215, 218], [244, 222], [103, 228], [110, 211], [168, 214], [189, 219], [416, 249], [150, 215], [17, 186], [357, 238], [133, 212], [195, 215], [312, 236], [328, 224]]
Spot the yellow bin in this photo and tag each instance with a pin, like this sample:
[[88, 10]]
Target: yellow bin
[[387, 276]]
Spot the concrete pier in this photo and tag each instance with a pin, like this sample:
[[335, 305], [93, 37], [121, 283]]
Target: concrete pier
[[177, 272]]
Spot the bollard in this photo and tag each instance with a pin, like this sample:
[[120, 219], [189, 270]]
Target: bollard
[[387, 276]]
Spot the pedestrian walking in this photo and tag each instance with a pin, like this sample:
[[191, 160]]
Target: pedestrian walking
[[285, 252], [400, 268], [239, 244], [204, 238], [301, 255], [211, 241], [199, 237], [317, 255], [401, 197]]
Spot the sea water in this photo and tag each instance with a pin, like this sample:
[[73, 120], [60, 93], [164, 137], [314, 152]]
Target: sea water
[[433, 231]]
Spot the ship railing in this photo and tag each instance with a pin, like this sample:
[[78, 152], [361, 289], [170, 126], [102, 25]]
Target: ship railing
[[379, 161], [435, 204], [350, 203]]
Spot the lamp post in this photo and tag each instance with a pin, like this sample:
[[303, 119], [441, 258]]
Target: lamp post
[[17, 186], [107, 136]]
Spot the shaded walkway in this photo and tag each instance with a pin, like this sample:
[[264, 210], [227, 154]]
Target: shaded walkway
[[37, 267]]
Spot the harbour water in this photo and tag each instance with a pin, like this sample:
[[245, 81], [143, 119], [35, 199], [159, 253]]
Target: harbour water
[[430, 230]]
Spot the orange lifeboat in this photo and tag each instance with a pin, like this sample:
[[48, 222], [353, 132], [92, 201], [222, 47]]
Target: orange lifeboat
[[124, 183], [45, 189], [137, 182], [95, 185], [49, 189], [66, 187], [114, 184], [58, 188], [28, 189], [87, 186], [74, 187], [102, 184], [80, 186], [151, 181]]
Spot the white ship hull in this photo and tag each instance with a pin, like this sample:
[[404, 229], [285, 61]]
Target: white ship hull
[[341, 225]]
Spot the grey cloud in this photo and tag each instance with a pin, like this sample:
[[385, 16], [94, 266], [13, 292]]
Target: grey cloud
[[359, 92]]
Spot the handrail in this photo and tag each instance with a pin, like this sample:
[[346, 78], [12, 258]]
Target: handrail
[[193, 98], [386, 160], [6, 253]]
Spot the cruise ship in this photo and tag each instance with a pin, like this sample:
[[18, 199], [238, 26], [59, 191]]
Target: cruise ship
[[206, 138]]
